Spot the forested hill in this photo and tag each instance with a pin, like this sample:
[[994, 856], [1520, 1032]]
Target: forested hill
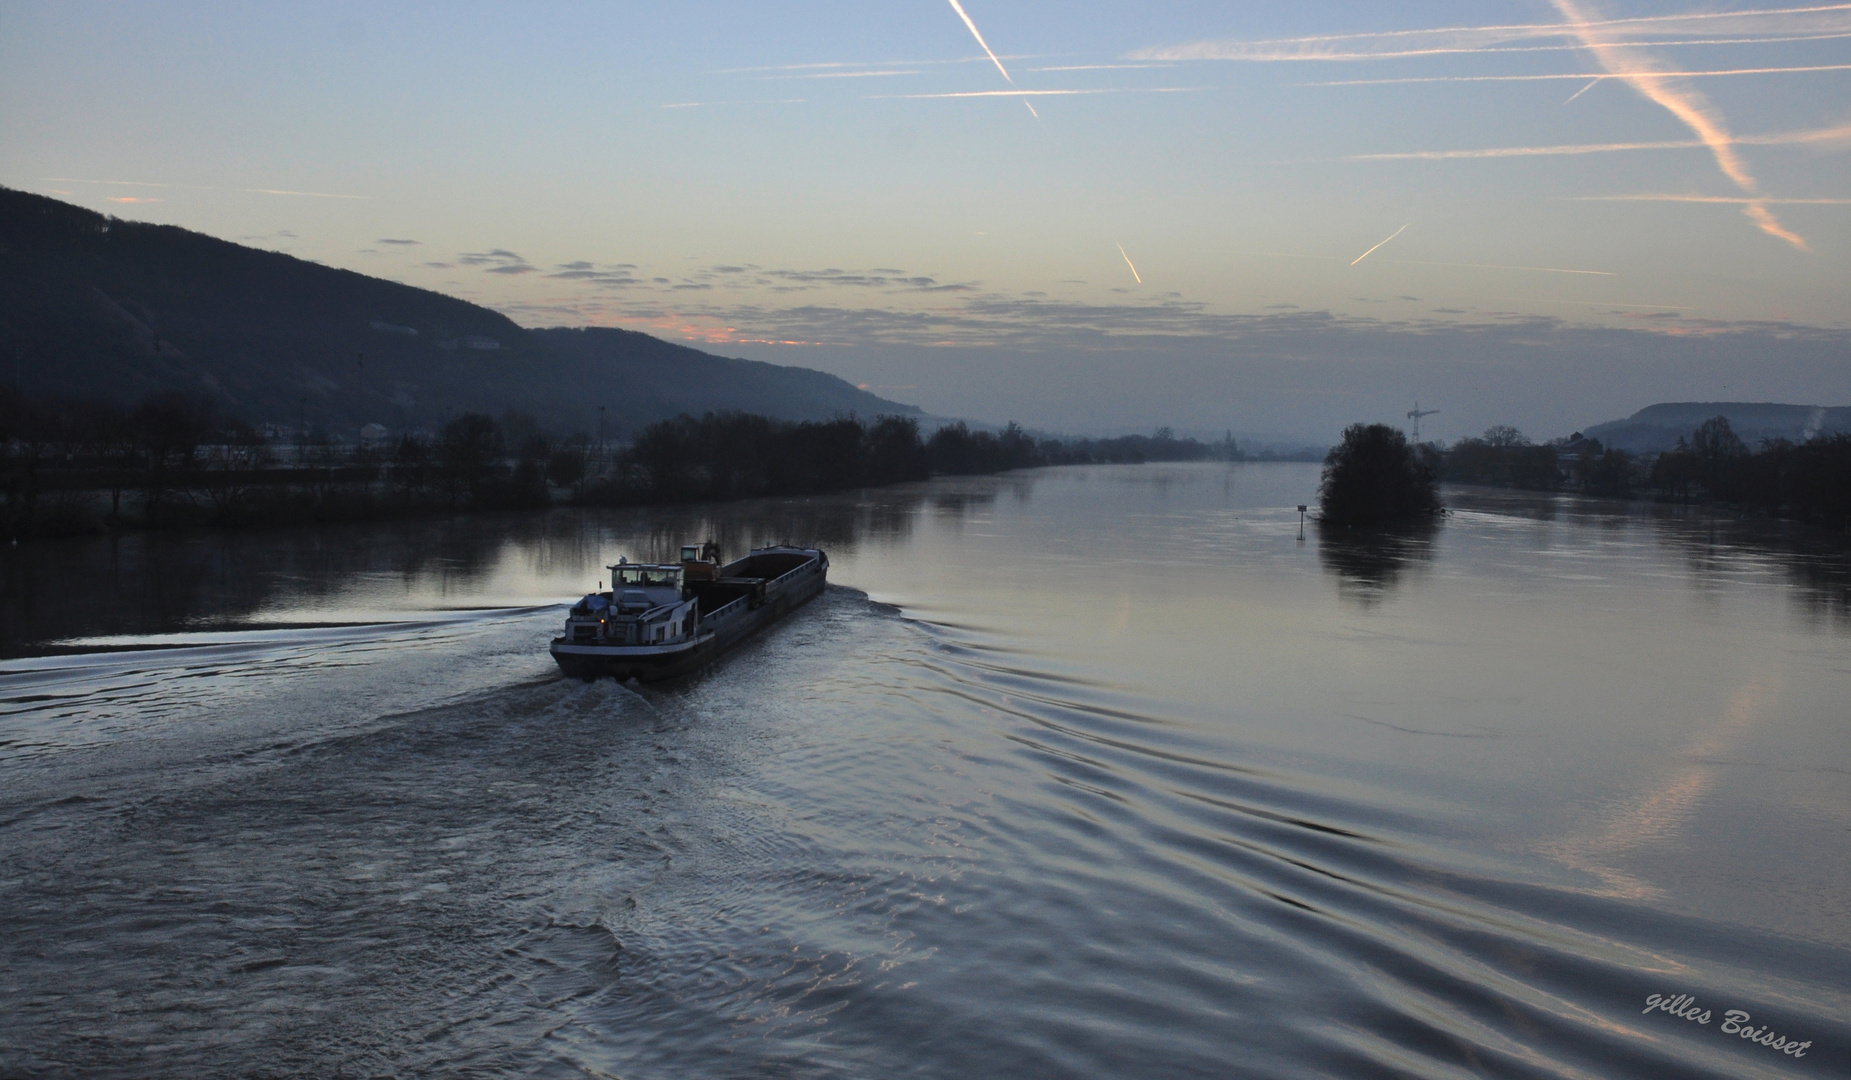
[[663, 379], [1659, 427], [92, 306]]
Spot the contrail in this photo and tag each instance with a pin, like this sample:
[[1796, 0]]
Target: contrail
[[1780, 138], [1591, 85], [1687, 105], [1529, 151], [1731, 200], [1025, 94], [1475, 38], [1416, 262], [843, 64], [959, 8], [845, 74], [1134, 270], [1372, 250], [1492, 266], [1581, 75], [1477, 50]]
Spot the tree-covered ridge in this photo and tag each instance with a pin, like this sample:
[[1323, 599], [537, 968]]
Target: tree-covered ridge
[[94, 306]]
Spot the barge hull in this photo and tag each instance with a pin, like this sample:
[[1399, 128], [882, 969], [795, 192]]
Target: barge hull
[[783, 596]]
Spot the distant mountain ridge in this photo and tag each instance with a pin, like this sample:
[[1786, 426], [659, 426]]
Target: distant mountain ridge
[[94, 306], [1658, 427]]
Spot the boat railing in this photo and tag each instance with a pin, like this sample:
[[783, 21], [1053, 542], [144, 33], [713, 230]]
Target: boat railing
[[808, 564], [724, 608]]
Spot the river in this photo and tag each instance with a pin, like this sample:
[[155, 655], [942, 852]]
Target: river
[[1078, 772]]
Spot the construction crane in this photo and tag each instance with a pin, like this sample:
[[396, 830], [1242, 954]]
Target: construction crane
[[1415, 416]]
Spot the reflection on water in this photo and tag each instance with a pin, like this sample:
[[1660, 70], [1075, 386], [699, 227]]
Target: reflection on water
[[1087, 772], [1369, 564], [1715, 547], [143, 583]]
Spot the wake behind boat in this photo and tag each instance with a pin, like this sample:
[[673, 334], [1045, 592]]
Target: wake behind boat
[[661, 620]]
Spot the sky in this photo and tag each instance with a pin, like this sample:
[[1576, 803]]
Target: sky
[[1275, 219]]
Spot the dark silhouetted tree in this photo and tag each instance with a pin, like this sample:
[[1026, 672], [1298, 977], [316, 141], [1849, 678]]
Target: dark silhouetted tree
[[170, 429], [1374, 477], [895, 452], [468, 451], [566, 465]]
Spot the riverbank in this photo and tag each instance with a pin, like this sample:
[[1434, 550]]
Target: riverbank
[[1807, 481], [172, 465]]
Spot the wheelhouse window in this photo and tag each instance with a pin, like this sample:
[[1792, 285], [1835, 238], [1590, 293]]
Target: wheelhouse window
[[661, 577]]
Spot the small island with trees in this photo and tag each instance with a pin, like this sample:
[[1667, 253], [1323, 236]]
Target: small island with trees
[[1374, 478]]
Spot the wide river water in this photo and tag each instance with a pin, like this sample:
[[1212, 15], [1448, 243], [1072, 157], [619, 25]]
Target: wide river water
[[1083, 772]]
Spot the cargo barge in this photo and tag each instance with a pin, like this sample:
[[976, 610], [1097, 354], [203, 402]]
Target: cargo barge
[[664, 620]]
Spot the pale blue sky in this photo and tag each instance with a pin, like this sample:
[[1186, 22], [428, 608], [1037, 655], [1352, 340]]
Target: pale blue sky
[[790, 182]]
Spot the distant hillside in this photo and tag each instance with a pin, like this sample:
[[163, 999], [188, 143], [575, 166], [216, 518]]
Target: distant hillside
[[662, 379], [94, 306], [1658, 427]]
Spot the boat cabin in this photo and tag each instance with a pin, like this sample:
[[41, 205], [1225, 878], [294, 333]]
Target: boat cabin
[[647, 605], [700, 562]]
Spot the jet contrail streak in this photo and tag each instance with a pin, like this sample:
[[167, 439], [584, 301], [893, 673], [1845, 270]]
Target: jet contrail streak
[[1580, 75], [1529, 151], [959, 8], [1372, 250], [1478, 50], [1243, 50], [847, 64], [1591, 85], [1038, 93], [1779, 138], [1730, 200], [1134, 270], [1703, 119], [1493, 266], [1415, 262]]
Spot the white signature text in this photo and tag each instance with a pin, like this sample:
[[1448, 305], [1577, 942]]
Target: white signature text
[[1734, 1022]]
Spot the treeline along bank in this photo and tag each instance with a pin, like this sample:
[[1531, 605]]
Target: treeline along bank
[[69, 467], [1808, 480]]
